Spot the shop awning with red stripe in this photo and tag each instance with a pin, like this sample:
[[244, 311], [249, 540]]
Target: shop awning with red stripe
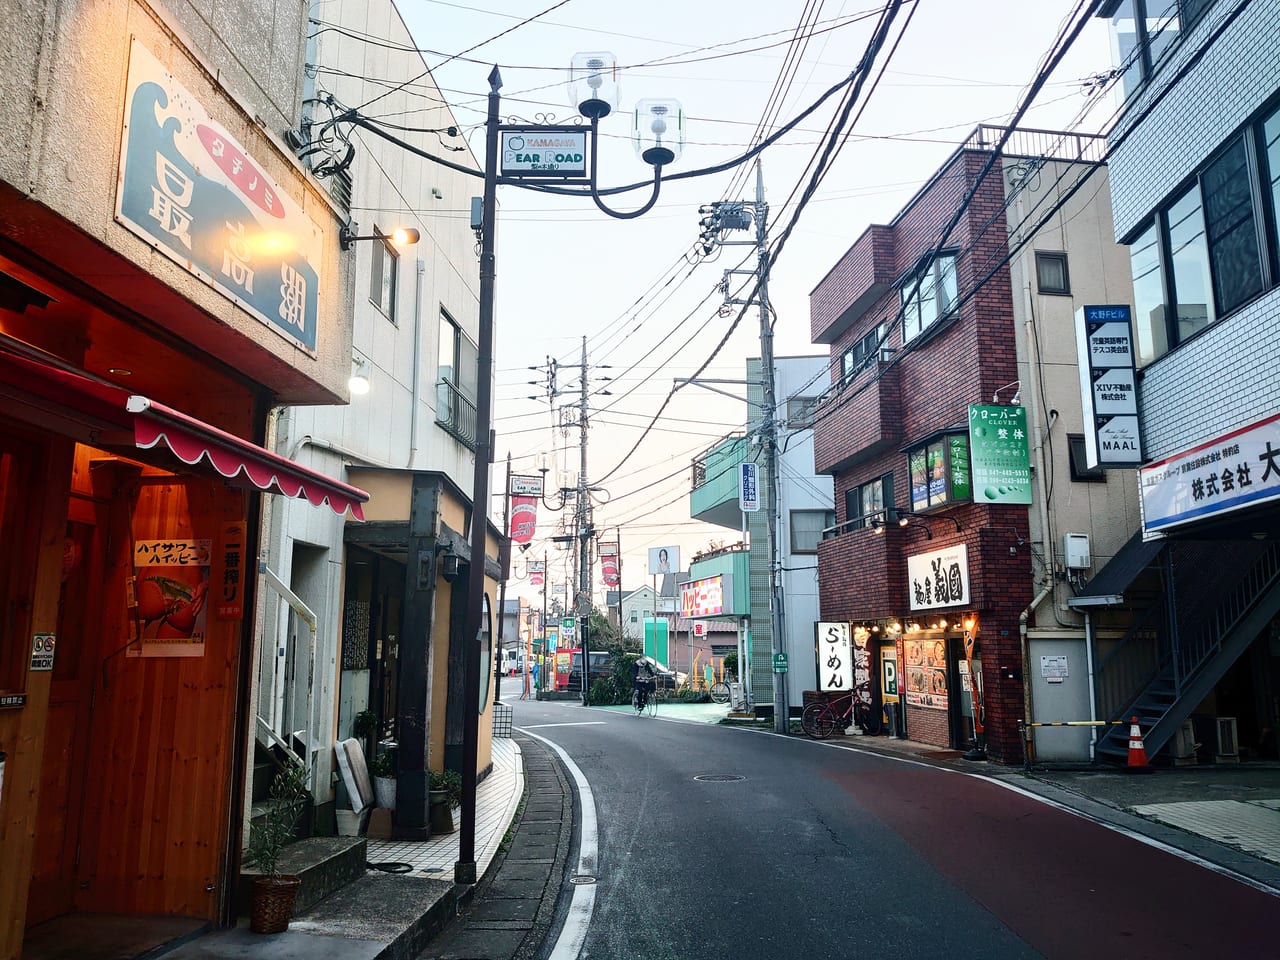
[[104, 407]]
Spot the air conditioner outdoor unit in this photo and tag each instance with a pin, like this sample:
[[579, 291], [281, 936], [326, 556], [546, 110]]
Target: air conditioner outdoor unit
[[1184, 745], [1228, 745]]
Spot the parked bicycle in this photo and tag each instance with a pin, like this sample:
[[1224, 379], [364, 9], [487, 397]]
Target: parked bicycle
[[820, 720]]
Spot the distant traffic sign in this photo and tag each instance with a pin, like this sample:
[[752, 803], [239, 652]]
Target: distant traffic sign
[[779, 663]]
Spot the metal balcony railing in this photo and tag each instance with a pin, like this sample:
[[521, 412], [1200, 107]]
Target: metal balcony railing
[[456, 412]]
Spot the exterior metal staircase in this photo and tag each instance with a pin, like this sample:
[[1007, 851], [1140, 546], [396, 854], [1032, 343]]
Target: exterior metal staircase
[[1176, 652]]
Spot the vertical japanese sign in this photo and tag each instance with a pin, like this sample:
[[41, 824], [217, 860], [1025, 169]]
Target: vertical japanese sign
[[190, 189], [609, 570], [525, 493], [230, 593], [939, 578], [862, 664], [537, 572], [749, 487], [1108, 386], [172, 587], [999, 454], [835, 658]]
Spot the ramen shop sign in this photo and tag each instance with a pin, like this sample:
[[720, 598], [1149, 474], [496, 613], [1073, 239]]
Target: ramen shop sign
[[704, 598]]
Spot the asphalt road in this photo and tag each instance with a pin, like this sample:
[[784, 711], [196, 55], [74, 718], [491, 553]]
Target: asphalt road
[[821, 851]]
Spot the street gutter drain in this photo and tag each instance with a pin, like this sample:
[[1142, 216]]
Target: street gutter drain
[[718, 778], [582, 879]]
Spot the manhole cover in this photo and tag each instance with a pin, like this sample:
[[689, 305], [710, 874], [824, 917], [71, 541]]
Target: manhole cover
[[719, 777], [581, 880]]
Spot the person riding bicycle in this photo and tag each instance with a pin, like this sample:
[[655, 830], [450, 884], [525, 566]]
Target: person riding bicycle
[[643, 682]]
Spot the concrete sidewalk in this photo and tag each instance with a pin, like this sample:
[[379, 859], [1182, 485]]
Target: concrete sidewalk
[[387, 916]]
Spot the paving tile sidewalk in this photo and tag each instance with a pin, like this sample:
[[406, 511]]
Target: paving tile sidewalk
[[514, 904]]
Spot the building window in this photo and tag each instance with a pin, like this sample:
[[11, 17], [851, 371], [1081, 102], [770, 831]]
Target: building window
[[939, 472], [1081, 472], [807, 527], [868, 502], [1148, 296], [635, 618], [860, 355], [1051, 273], [382, 280], [928, 294], [800, 411], [456, 384], [1142, 31], [1210, 250], [1232, 228]]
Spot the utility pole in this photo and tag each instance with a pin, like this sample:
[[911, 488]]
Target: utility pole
[[737, 215], [584, 537], [502, 587], [769, 440]]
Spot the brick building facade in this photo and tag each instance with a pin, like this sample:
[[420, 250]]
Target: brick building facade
[[913, 346]]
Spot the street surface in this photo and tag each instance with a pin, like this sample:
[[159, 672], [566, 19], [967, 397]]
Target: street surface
[[823, 851]]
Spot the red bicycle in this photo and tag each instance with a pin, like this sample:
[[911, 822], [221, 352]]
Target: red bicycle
[[820, 720]]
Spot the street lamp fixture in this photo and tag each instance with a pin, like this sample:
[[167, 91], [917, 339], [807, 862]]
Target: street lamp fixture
[[400, 236], [358, 384]]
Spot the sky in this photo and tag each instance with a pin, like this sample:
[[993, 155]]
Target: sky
[[646, 304]]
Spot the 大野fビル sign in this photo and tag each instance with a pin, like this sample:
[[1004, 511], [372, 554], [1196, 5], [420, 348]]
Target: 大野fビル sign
[[1108, 386]]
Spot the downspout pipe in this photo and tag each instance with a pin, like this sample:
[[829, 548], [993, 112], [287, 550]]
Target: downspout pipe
[[416, 393], [1028, 736]]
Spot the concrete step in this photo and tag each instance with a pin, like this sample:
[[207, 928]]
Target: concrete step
[[400, 913], [325, 864]]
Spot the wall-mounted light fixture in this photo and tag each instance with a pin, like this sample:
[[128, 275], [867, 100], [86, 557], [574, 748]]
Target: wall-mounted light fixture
[[1017, 394], [401, 236], [358, 383], [905, 517]]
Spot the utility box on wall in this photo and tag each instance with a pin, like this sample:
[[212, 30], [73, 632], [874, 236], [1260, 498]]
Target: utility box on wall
[[1075, 551]]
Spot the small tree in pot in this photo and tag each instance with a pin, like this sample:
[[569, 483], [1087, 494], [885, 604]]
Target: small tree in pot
[[444, 793], [383, 771], [273, 893]]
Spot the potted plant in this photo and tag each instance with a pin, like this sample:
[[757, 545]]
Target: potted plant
[[363, 725], [444, 792], [383, 771], [274, 894]]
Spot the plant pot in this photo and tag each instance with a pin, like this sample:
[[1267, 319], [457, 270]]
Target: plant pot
[[271, 906], [441, 811], [384, 788], [348, 823]]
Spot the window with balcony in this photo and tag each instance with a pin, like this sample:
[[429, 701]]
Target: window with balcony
[[456, 382], [868, 501], [1212, 248], [927, 295], [382, 277], [807, 527]]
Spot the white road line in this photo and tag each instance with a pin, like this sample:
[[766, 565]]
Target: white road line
[[579, 723], [582, 905]]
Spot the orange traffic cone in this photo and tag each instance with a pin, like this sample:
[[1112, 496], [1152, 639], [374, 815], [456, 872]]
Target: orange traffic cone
[[1137, 752]]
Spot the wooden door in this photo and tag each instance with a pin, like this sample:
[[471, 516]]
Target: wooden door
[[58, 820]]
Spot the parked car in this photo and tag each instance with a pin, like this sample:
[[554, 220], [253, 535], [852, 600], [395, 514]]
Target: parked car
[[601, 666]]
